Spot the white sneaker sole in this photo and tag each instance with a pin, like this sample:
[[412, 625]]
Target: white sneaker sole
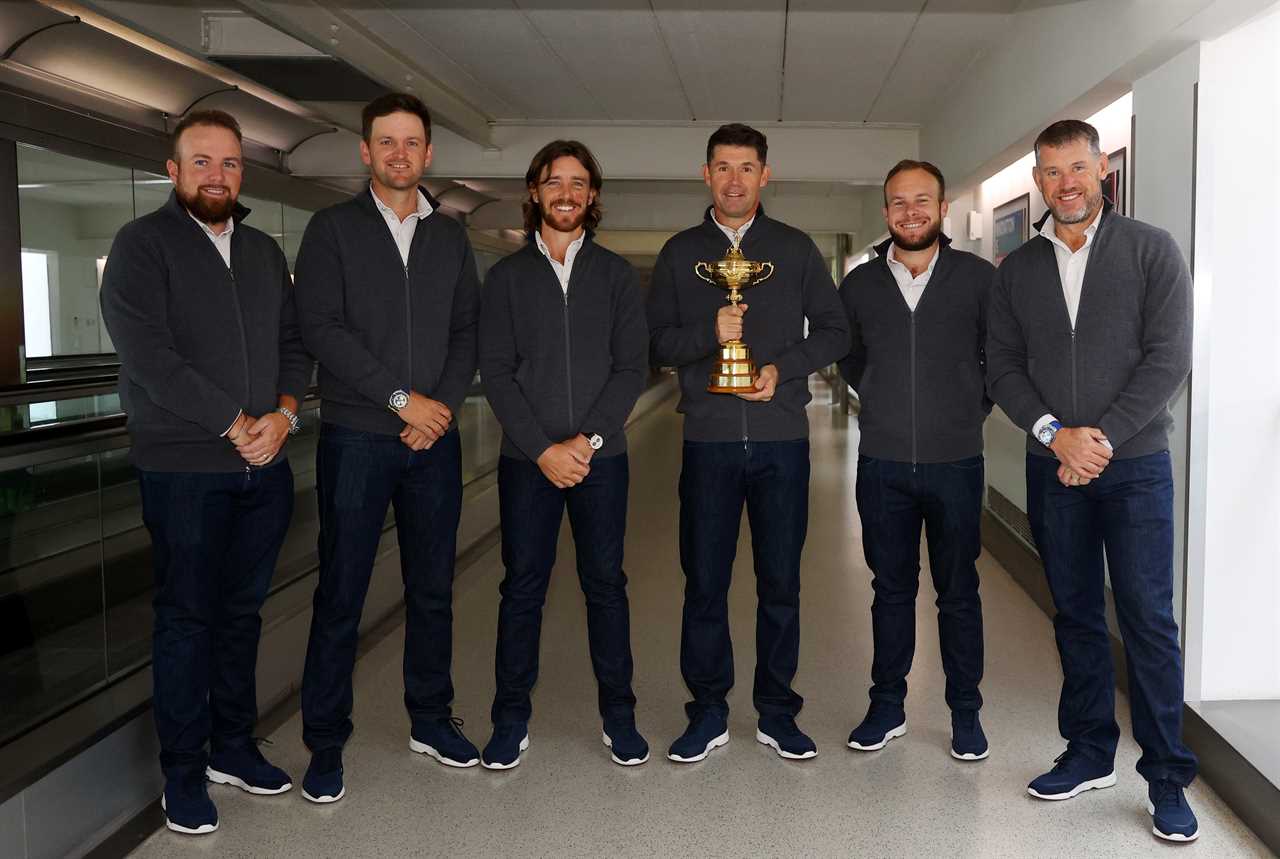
[[186, 830], [715, 743], [630, 762], [524, 747], [218, 777], [430, 751], [894, 733], [326, 799], [1169, 836], [1108, 780], [970, 756], [762, 737]]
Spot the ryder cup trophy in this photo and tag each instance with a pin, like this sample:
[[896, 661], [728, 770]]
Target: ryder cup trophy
[[734, 371]]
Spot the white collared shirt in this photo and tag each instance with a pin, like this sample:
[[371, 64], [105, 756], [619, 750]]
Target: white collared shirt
[[735, 236], [911, 286], [221, 241], [402, 231], [564, 269]]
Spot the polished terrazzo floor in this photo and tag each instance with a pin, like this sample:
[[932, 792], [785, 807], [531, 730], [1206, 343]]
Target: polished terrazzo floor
[[568, 799]]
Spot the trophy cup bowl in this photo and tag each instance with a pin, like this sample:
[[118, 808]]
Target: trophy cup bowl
[[734, 371]]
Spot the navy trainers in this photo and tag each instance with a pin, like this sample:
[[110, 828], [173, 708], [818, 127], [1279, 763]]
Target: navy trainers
[[443, 740], [706, 731], [1072, 774], [323, 781], [1171, 818], [878, 727], [187, 807], [968, 743], [627, 747], [248, 770], [782, 733], [502, 752]]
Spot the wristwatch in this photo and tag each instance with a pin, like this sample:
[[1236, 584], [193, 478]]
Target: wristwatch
[[1048, 432], [398, 400], [294, 423], [595, 440]]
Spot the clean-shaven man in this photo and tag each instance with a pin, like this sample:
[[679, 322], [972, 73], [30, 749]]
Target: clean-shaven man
[[750, 448], [212, 366], [564, 353], [388, 298], [917, 316], [1089, 338]]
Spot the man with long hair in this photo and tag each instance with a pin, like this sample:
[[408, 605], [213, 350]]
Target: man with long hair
[[563, 358]]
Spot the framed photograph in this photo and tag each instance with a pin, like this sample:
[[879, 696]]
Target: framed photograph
[[1115, 186], [1011, 226]]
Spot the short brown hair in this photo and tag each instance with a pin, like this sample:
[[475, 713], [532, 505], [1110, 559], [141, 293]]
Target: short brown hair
[[217, 118], [543, 161], [1066, 131], [737, 134], [910, 164], [393, 102]]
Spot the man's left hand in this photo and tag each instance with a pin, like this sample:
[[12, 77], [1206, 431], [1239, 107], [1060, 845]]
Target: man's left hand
[[1067, 477], [581, 446], [268, 434], [766, 382]]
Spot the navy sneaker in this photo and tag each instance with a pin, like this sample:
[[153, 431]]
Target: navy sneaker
[[968, 743], [1073, 773], [1171, 818], [187, 807], [782, 733], [502, 752], [706, 731], [878, 727], [248, 770], [323, 781], [443, 740], [627, 747]]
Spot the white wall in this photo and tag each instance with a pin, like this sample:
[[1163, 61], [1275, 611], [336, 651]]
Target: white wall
[[1233, 640]]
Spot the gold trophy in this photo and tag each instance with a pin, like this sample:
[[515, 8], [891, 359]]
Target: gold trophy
[[734, 371]]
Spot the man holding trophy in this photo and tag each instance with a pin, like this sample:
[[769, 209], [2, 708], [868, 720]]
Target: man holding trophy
[[745, 431]]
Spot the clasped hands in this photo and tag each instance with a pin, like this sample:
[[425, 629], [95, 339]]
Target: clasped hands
[[258, 440], [425, 421], [1083, 453], [729, 327], [567, 463]]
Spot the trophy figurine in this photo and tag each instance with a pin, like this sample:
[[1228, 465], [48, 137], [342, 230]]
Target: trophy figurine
[[734, 371]]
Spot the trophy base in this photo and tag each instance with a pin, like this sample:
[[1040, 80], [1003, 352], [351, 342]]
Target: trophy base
[[734, 371]]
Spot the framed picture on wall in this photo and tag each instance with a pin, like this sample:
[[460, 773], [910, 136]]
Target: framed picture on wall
[[1011, 225], [1115, 185]]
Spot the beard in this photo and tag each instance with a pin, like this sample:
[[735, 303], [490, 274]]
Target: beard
[[211, 210], [556, 221], [930, 236], [1092, 203]]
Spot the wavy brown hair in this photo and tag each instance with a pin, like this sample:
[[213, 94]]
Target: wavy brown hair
[[542, 162]]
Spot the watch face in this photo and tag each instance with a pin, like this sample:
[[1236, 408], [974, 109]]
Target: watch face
[[1046, 436], [399, 400], [595, 441]]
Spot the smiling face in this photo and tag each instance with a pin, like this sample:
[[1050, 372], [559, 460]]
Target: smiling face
[[735, 176], [397, 151], [1070, 180], [563, 194], [206, 172], [912, 210]]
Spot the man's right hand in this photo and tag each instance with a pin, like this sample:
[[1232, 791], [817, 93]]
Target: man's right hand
[[1082, 450], [729, 323], [563, 466], [426, 415]]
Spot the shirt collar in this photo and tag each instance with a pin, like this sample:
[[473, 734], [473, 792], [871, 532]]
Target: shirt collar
[[1047, 230], [729, 231], [892, 257], [574, 246], [226, 234], [424, 207]]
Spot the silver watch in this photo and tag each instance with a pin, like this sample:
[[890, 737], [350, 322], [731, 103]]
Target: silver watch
[[295, 423], [595, 440], [398, 400]]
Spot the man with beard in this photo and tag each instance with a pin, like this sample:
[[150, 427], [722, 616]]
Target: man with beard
[[388, 298], [750, 448], [200, 308], [1089, 339], [563, 357], [917, 315]]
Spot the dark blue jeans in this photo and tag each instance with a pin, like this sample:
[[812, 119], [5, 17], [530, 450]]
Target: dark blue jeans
[[214, 543], [358, 474], [894, 500], [532, 508], [717, 478], [1128, 514]]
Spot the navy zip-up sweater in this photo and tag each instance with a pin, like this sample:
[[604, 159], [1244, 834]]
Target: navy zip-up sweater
[[682, 312], [555, 364], [377, 325], [919, 375], [1126, 357], [198, 342]]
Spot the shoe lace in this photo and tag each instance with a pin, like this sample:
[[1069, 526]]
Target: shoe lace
[[455, 724], [1165, 794], [966, 719], [1064, 761]]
